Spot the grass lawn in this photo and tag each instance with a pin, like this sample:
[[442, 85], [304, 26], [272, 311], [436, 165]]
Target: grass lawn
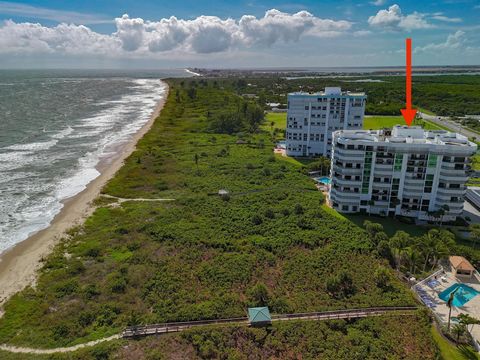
[[390, 225], [379, 122], [370, 122], [451, 352], [279, 120]]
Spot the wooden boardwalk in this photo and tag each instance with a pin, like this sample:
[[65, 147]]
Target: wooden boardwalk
[[156, 329]]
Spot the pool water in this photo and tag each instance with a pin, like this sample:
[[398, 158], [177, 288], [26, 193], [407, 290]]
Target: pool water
[[463, 295], [324, 180]]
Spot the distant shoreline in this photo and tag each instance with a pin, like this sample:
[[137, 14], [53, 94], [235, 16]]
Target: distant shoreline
[[19, 264]]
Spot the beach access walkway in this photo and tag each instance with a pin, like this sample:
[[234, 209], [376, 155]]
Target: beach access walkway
[[122, 200], [158, 329]]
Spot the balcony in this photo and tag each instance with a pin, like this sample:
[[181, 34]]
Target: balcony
[[459, 177], [458, 191], [344, 182], [347, 171]]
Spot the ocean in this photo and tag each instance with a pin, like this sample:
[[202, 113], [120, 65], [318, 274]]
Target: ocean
[[55, 128]]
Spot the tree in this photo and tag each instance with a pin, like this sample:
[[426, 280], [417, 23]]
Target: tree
[[412, 256], [259, 295], [379, 237], [450, 304], [467, 319], [340, 285], [475, 234], [398, 244], [382, 277], [459, 330], [372, 228]]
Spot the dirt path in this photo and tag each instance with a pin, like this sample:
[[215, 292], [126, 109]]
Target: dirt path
[[24, 350], [122, 200]]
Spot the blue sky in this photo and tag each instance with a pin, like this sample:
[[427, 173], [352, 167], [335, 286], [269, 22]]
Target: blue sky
[[158, 34]]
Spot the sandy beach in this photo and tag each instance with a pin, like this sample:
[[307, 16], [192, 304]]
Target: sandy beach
[[19, 264]]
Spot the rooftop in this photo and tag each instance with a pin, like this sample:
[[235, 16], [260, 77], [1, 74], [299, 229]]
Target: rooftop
[[414, 135], [259, 315], [329, 91], [459, 262]]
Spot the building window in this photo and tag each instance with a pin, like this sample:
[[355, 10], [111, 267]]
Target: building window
[[432, 161]]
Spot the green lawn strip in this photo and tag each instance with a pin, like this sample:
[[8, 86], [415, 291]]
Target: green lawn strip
[[380, 122], [279, 119], [452, 352], [390, 225]]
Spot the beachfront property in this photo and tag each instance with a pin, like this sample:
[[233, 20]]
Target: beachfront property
[[312, 117], [403, 171]]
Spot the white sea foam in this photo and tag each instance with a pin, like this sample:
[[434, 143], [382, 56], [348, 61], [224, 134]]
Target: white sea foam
[[36, 203], [33, 146]]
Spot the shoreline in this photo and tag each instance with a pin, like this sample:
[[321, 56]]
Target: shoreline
[[19, 264]]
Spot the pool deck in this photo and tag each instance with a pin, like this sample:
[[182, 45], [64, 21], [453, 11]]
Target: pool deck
[[439, 307]]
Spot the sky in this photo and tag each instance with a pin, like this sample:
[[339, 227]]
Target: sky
[[239, 33]]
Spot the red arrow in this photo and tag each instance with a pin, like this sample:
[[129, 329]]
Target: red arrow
[[408, 113]]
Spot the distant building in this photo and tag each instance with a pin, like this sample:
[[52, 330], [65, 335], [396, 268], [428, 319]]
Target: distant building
[[404, 171], [312, 117]]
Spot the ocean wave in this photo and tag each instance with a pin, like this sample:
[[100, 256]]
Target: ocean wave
[[33, 146], [101, 134]]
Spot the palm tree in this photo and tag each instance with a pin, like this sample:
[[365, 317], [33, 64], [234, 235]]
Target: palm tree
[[439, 251], [467, 319], [429, 242], [475, 234], [450, 304], [459, 330], [411, 255]]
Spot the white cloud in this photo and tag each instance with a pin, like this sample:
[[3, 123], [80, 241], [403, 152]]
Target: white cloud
[[393, 19], [454, 42], [378, 2], [360, 33], [202, 35], [11, 8], [63, 38], [441, 17]]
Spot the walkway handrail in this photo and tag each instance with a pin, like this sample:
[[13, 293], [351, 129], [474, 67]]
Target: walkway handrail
[[436, 273], [178, 326]]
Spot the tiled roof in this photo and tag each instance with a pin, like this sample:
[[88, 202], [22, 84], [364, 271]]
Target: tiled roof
[[459, 262]]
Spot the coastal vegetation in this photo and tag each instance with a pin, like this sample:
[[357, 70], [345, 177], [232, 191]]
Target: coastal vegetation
[[268, 241], [446, 95]]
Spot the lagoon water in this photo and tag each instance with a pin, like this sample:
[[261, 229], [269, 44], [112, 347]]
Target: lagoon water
[[55, 128]]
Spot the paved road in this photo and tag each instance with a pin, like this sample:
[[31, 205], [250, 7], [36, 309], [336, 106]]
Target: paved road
[[445, 121]]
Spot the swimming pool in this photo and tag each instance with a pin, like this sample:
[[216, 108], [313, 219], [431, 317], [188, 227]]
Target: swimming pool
[[463, 295], [324, 180]]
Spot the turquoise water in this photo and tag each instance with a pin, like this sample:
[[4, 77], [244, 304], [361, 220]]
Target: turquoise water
[[324, 180], [463, 295]]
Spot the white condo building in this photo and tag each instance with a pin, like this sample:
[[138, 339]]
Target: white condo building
[[404, 171], [312, 117]]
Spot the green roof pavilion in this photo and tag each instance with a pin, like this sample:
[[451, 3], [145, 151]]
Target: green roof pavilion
[[259, 316]]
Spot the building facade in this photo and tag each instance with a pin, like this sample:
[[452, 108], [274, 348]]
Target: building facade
[[313, 117], [404, 171]]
